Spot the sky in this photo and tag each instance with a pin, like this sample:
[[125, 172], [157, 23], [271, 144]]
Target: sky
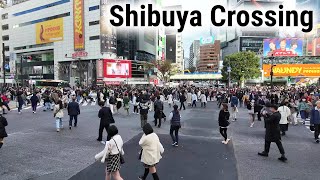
[[194, 33]]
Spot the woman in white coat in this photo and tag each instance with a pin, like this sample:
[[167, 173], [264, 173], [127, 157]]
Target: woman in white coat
[[111, 153], [151, 152], [285, 112]]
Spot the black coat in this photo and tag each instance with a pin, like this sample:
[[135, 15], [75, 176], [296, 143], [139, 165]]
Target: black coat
[[3, 124], [272, 127], [105, 116], [223, 118], [73, 109]]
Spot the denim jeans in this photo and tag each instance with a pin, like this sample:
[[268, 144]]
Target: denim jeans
[[47, 106], [59, 123], [20, 104]]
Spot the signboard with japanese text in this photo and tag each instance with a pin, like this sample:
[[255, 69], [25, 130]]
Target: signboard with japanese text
[[78, 25]]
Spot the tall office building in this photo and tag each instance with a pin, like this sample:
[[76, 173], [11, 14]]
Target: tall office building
[[194, 53], [209, 57]]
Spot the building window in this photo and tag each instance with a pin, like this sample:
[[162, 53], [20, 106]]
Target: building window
[[4, 16], [92, 8], [92, 23], [94, 37], [41, 20], [5, 27], [41, 7], [32, 46], [5, 38], [6, 48]]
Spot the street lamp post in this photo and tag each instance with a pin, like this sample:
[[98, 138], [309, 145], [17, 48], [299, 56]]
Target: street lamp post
[[229, 78], [271, 72]]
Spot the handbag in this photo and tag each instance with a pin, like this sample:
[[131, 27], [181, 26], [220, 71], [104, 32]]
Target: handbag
[[122, 161], [312, 127]]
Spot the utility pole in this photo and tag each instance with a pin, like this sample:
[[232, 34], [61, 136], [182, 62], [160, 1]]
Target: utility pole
[[21, 70], [3, 65]]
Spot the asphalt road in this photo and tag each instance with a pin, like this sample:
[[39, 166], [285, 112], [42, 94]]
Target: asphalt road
[[34, 150]]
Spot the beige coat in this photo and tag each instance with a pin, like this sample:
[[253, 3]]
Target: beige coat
[[57, 111], [152, 149]]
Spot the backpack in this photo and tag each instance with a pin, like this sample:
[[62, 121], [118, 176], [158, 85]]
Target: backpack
[[159, 105]]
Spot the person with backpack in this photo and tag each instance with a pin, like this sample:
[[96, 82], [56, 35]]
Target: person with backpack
[[58, 114], [158, 111], [175, 118], [3, 133]]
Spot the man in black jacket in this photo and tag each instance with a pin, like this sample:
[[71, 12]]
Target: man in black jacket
[[106, 119], [182, 100], [273, 133], [3, 133], [158, 111], [73, 112]]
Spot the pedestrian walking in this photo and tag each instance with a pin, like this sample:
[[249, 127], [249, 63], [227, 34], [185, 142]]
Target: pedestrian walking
[[151, 152], [175, 120], [223, 120], [112, 103], [126, 104], [203, 99], [250, 107], [20, 101], [144, 109], [170, 100], [273, 132], [106, 118], [135, 103], [285, 114], [182, 100], [234, 101], [315, 121], [112, 153], [158, 111], [3, 133], [73, 112], [304, 110], [194, 99], [58, 115], [34, 102]]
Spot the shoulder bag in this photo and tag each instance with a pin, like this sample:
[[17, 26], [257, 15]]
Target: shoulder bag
[[122, 161]]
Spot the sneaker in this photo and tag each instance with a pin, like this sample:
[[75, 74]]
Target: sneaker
[[263, 154], [58, 130], [227, 141], [176, 145], [19, 112], [223, 142], [251, 125], [282, 158], [33, 112], [140, 177], [317, 141], [102, 142], [173, 144]]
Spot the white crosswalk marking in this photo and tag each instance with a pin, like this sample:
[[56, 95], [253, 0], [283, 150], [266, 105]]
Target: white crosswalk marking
[[85, 104], [93, 103], [27, 107]]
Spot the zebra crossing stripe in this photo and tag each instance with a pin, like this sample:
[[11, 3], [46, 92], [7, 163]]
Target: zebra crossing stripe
[[93, 103], [85, 104]]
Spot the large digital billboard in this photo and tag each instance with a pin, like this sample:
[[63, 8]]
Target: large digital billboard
[[78, 25], [49, 31], [283, 47], [117, 68], [108, 38], [294, 70]]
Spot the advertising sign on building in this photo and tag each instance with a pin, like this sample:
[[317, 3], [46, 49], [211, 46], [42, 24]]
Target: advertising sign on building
[[78, 25], [99, 68], [283, 47], [207, 40], [117, 68], [253, 44], [108, 39], [294, 70], [49, 31]]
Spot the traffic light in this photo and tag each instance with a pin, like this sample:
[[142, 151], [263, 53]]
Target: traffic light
[[289, 79]]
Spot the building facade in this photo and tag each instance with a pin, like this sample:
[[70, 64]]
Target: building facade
[[66, 43], [194, 53], [209, 57]]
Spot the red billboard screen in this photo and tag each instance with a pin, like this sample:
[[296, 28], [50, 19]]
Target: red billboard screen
[[117, 68]]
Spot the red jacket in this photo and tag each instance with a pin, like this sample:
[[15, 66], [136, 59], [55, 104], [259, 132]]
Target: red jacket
[[4, 98]]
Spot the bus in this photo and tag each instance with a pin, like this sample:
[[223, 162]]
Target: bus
[[52, 83]]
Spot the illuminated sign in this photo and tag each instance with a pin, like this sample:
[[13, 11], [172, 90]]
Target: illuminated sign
[[294, 70], [49, 31]]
